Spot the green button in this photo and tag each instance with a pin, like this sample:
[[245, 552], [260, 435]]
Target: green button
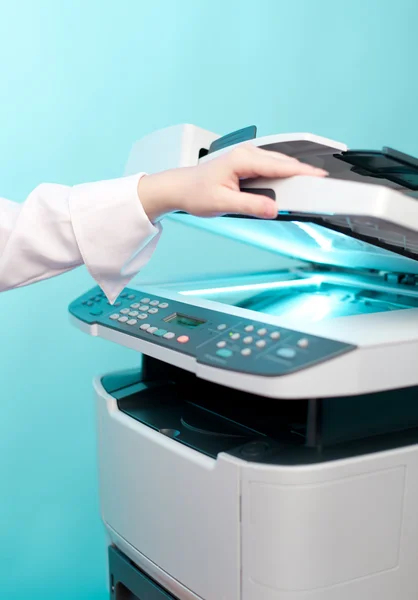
[[96, 312], [286, 353], [160, 332], [224, 352]]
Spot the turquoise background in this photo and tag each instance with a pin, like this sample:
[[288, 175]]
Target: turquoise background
[[80, 82]]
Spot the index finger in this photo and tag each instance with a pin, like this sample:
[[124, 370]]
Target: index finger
[[256, 164]]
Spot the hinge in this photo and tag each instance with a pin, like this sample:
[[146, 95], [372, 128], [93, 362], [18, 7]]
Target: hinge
[[387, 276], [401, 278]]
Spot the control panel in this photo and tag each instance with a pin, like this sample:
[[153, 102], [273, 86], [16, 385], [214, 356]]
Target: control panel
[[213, 337]]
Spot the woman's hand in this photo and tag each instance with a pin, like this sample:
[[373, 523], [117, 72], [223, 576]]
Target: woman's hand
[[213, 188]]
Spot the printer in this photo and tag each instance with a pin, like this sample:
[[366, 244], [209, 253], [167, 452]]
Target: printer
[[266, 447]]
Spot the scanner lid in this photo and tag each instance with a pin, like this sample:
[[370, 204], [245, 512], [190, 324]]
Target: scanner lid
[[364, 216]]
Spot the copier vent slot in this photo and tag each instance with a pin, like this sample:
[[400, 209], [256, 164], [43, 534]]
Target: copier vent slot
[[214, 419]]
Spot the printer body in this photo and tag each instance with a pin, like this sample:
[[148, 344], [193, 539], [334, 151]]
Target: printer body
[[266, 446]]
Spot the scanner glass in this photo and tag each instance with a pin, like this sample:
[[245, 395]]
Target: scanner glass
[[307, 300]]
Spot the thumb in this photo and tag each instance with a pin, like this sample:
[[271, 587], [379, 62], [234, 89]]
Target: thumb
[[254, 205]]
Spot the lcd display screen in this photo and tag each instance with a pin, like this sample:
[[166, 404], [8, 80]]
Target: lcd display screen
[[183, 321]]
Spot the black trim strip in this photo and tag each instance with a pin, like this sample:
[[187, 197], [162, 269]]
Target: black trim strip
[[127, 582]]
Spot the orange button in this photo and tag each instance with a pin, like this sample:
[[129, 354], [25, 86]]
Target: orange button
[[183, 339]]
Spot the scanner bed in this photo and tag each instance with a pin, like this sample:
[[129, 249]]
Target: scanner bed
[[308, 298]]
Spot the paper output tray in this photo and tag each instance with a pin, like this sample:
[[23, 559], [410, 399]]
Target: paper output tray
[[213, 419]]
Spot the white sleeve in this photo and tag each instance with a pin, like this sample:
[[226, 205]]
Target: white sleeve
[[58, 228]]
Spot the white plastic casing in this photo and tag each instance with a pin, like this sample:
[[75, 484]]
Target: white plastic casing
[[170, 148], [228, 529]]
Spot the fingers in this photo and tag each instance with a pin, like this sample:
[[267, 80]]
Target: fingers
[[251, 163], [243, 203], [269, 153]]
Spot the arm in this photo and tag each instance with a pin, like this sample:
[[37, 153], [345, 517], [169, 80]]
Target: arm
[[58, 228], [112, 226]]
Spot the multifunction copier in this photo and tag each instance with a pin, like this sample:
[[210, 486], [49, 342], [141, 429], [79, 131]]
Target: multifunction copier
[[266, 447]]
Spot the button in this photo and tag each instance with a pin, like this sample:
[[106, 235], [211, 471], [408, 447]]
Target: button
[[246, 351], [262, 331], [123, 295], [131, 297], [114, 316], [145, 326], [221, 344], [142, 316], [249, 328], [89, 303], [132, 322], [153, 311], [143, 308], [97, 299], [169, 335], [123, 319], [160, 332], [133, 313], [234, 336], [135, 305], [96, 312], [221, 327], [286, 353], [275, 335], [254, 449], [163, 305], [115, 304], [154, 302], [145, 300], [224, 352], [247, 340], [125, 311], [152, 329], [183, 339], [303, 343], [260, 343]]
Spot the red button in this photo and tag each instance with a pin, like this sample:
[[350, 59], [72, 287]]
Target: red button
[[183, 339]]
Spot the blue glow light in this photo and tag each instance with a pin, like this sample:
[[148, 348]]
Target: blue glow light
[[312, 309], [315, 280], [323, 241]]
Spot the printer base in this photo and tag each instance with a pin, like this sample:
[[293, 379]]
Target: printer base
[[206, 522]]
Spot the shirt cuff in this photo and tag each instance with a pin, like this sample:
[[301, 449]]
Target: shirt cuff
[[115, 237]]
